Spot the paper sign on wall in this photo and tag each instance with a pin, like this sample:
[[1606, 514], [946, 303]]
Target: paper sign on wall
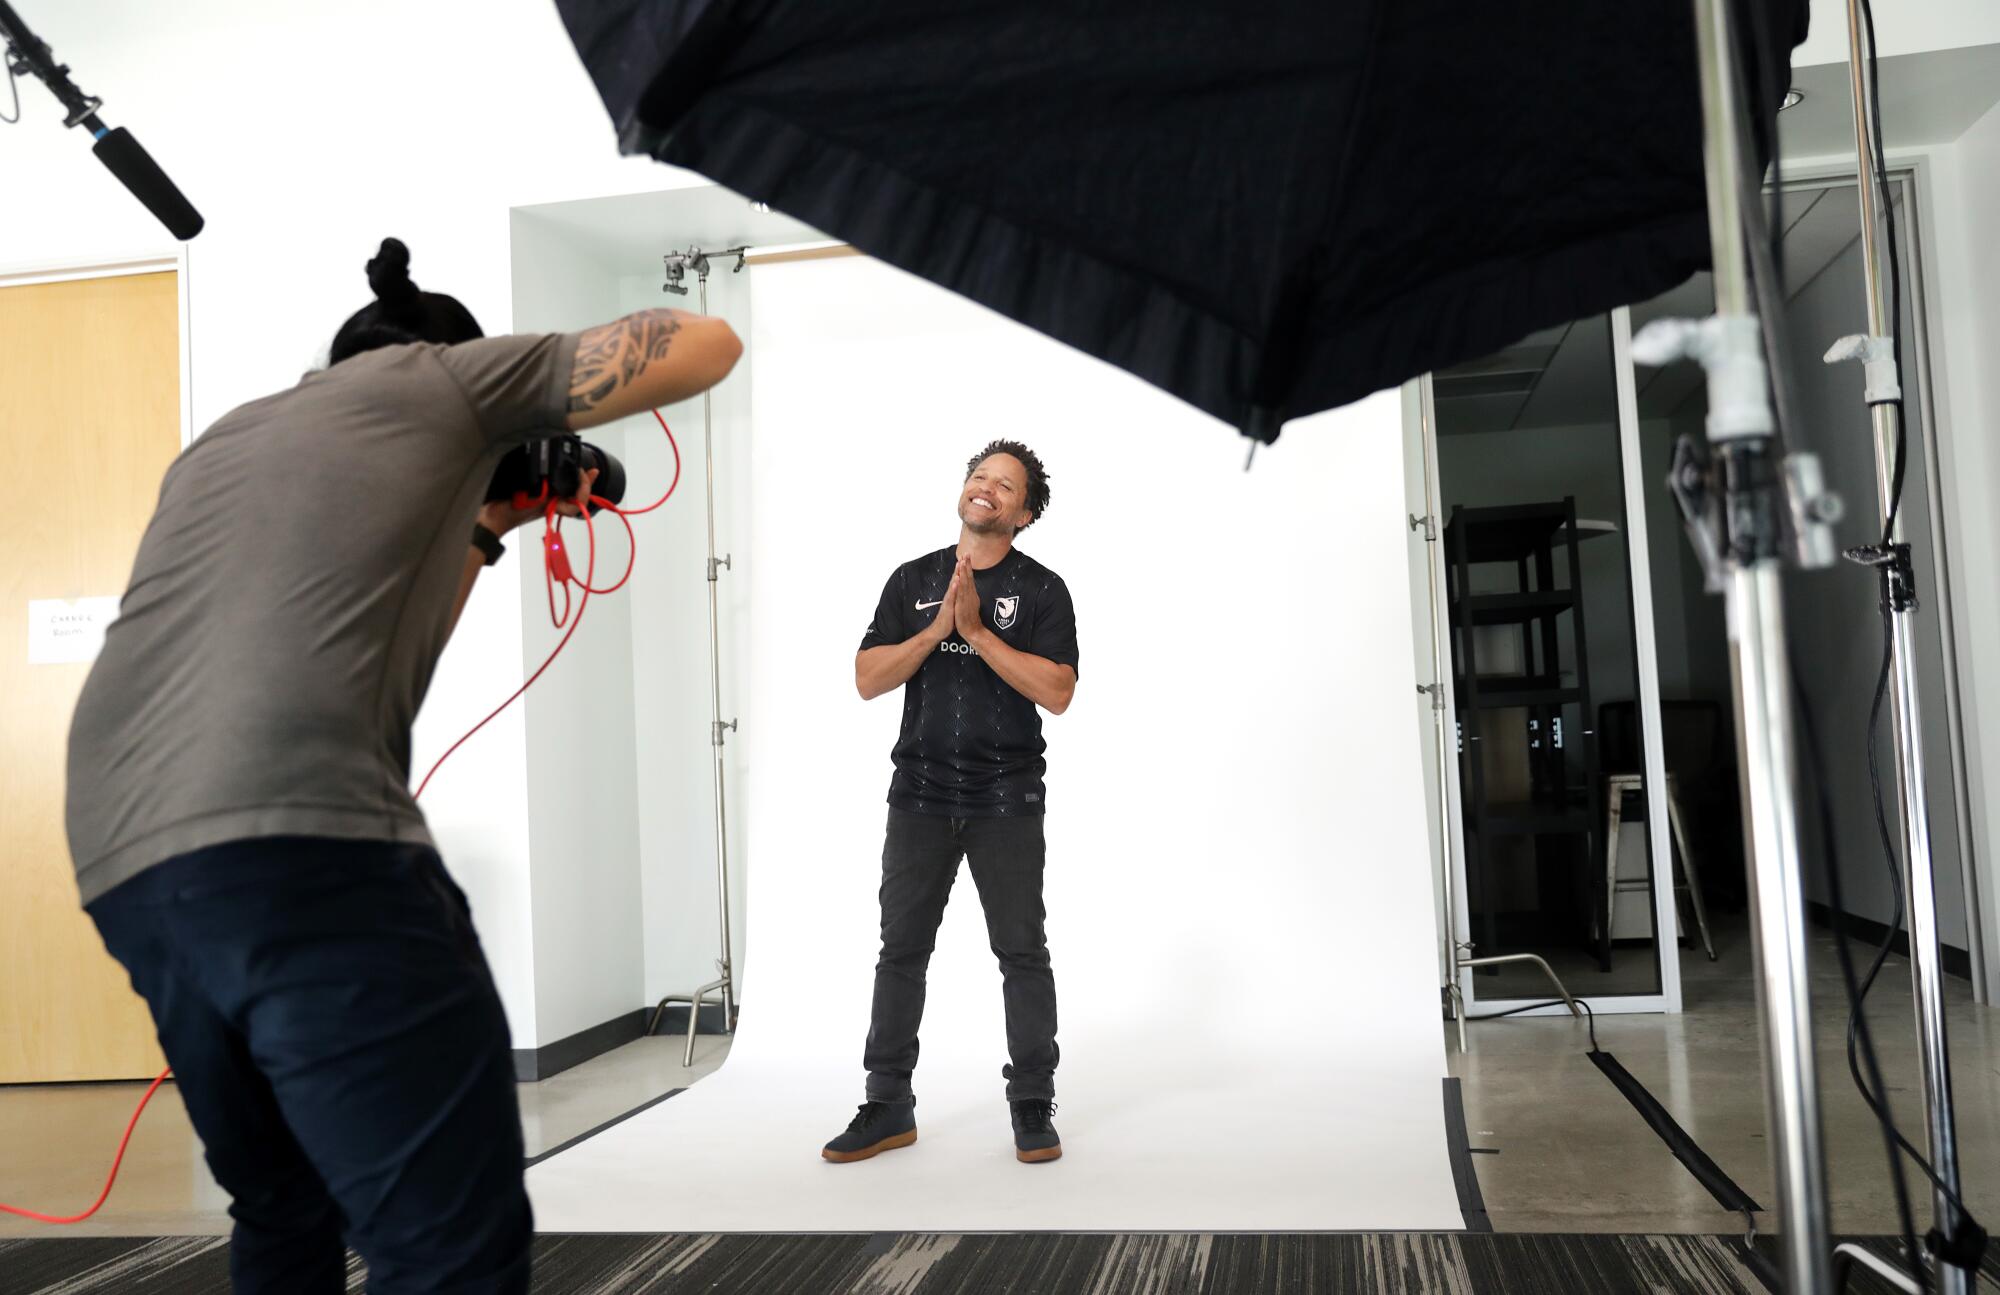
[[61, 631]]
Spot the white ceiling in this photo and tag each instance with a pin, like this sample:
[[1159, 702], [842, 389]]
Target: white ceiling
[[630, 233], [1927, 98]]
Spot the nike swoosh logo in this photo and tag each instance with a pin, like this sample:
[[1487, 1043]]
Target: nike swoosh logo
[[927, 606]]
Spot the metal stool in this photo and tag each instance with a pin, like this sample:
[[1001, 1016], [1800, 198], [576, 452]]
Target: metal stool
[[1687, 875]]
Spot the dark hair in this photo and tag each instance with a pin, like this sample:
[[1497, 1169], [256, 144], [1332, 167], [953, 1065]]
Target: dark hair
[[400, 313], [1038, 476]]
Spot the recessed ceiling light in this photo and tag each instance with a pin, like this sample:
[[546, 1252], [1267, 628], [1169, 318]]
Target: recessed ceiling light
[[765, 206], [1792, 99]]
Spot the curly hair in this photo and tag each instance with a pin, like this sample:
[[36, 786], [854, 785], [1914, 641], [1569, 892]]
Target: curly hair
[[1038, 476]]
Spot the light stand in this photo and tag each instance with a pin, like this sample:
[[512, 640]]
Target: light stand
[[1735, 507], [1455, 949], [1883, 392], [724, 985]]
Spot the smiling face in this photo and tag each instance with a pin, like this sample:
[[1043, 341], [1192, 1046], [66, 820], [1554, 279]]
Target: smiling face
[[994, 501]]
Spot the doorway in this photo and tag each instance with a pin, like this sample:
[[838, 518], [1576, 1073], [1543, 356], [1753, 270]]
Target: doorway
[[91, 401], [1551, 690]]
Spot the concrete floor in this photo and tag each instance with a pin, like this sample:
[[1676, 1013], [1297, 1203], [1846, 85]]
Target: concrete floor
[[1573, 1156], [60, 1139], [1562, 1149]]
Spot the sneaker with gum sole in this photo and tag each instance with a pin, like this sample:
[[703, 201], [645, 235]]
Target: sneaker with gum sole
[[1035, 1137], [876, 1127]]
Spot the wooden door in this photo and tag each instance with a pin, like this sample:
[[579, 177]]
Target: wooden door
[[89, 421]]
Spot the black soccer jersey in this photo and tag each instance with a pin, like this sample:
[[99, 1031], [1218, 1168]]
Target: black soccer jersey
[[971, 746]]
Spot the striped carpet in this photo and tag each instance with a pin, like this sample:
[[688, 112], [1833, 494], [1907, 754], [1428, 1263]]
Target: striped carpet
[[982, 1264]]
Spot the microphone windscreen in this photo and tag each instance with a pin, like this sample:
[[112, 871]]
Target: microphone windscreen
[[136, 170]]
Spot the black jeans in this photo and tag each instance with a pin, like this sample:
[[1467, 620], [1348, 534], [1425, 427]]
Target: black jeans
[[342, 1052], [919, 863]]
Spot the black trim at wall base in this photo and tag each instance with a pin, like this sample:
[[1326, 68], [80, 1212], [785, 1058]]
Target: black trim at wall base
[[588, 1134], [553, 1058], [1957, 962]]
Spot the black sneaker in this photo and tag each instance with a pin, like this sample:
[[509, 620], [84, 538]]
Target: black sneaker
[[1035, 1137], [877, 1127]]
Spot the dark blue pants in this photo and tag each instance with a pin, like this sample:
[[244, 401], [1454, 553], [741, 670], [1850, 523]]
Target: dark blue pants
[[920, 854], [340, 1046]]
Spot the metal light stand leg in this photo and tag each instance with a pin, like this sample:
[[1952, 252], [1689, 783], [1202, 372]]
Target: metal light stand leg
[[1735, 519], [1791, 1084], [1849, 1253], [724, 985], [1877, 352], [1440, 654], [1536, 959]]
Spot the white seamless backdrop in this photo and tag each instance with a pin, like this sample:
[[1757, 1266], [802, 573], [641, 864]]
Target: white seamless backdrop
[[1240, 906]]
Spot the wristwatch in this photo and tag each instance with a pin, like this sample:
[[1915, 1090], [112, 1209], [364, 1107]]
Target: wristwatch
[[488, 543]]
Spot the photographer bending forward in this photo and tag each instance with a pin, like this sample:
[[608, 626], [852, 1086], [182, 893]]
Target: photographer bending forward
[[239, 802], [978, 635]]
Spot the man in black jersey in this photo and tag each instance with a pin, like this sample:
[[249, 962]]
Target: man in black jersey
[[981, 634]]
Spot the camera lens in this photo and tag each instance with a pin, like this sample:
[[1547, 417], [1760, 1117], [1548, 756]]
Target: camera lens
[[610, 473], [558, 464]]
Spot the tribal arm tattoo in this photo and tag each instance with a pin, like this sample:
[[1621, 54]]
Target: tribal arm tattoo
[[609, 357]]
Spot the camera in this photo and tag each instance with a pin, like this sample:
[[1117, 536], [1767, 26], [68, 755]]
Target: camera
[[558, 464]]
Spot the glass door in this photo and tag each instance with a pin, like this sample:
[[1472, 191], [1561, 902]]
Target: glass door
[[1556, 804]]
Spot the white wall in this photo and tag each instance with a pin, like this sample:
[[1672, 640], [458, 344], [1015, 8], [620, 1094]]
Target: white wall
[[305, 132], [1964, 209], [583, 817], [670, 671], [620, 773], [1958, 205], [1833, 613]]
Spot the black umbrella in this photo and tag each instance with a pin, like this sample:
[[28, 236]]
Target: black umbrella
[[1267, 207]]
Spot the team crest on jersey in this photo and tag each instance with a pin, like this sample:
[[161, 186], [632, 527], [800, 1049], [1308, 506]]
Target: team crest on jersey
[[1004, 610]]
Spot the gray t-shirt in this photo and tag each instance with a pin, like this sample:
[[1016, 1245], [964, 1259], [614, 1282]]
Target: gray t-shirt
[[289, 602]]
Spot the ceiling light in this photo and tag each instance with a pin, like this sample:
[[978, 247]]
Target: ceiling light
[[1792, 99]]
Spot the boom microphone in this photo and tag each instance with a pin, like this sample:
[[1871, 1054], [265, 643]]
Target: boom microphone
[[125, 157], [22, 51]]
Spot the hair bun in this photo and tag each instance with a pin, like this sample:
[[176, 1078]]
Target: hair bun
[[389, 271]]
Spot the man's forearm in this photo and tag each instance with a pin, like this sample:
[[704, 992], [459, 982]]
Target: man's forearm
[[884, 669], [1042, 681]]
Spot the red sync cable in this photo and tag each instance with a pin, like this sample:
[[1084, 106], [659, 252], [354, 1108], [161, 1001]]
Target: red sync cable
[[116, 1161], [552, 523], [543, 669], [632, 539], [626, 515], [671, 485]]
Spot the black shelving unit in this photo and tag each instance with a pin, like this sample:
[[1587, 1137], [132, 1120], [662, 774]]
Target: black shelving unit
[[1561, 810]]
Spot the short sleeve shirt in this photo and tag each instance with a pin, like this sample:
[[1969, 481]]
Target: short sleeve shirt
[[290, 599], [971, 746]]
